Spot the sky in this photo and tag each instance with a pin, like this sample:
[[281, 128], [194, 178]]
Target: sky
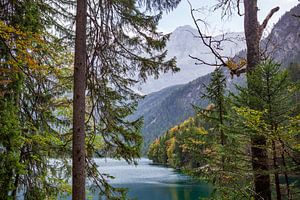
[[181, 15]]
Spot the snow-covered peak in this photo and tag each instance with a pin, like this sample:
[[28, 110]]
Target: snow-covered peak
[[183, 43]]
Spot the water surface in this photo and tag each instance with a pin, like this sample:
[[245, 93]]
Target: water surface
[[152, 182]]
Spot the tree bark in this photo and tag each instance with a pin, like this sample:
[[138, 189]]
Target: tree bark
[[80, 65], [222, 135], [276, 174], [286, 178], [251, 27], [258, 143]]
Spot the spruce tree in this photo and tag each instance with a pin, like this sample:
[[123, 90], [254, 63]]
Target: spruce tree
[[214, 114], [80, 68], [33, 64], [224, 152], [270, 100], [123, 48]]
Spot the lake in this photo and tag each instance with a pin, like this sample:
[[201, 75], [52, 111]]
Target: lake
[[152, 182]]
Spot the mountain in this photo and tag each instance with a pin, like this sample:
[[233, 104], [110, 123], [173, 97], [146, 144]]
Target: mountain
[[163, 109], [284, 39], [183, 42]]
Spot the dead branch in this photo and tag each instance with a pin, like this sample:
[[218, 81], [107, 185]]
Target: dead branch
[[269, 47], [214, 46], [238, 7], [207, 41], [265, 22]]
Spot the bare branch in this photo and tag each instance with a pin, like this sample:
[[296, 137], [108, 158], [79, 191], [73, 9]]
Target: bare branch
[[214, 46], [265, 22], [203, 62], [238, 7], [226, 6], [270, 47], [207, 41]]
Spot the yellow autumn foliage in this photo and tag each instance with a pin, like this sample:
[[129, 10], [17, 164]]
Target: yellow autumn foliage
[[201, 131], [174, 129], [31, 52], [196, 142], [232, 65]]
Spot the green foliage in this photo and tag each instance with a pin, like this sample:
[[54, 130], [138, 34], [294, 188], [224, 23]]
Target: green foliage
[[294, 71], [10, 142], [177, 146], [122, 52], [35, 80], [160, 5], [34, 71], [265, 109]]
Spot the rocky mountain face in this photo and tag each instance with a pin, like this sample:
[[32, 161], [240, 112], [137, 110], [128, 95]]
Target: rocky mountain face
[[284, 40], [163, 109]]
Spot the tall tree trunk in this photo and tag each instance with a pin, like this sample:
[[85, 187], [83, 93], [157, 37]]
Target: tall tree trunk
[[222, 136], [251, 27], [258, 143], [80, 65], [276, 175], [286, 178]]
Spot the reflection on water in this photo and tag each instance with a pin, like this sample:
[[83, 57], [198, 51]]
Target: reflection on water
[[151, 182]]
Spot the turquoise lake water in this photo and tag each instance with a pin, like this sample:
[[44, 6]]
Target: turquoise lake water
[[152, 182]]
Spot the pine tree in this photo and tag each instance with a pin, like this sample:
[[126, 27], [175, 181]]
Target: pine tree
[[215, 93], [270, 100], [224, 152], [32, 68], [123, 48], [80, 67], [253, 35], [214, 114], [117, 50]]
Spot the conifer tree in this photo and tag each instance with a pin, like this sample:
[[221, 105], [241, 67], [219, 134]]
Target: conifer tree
[[123, 49], [270, 98], [215, 93], [253, 34], [33, 63], [269, 113], [122, 41], [215, 113], [224, 150], [80, 67]]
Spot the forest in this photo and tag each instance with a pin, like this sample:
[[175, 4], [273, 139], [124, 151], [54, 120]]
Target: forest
[[221, 134], [69, 73]]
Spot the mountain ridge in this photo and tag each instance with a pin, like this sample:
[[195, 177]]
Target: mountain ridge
[[183, 43], [173, 105]]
